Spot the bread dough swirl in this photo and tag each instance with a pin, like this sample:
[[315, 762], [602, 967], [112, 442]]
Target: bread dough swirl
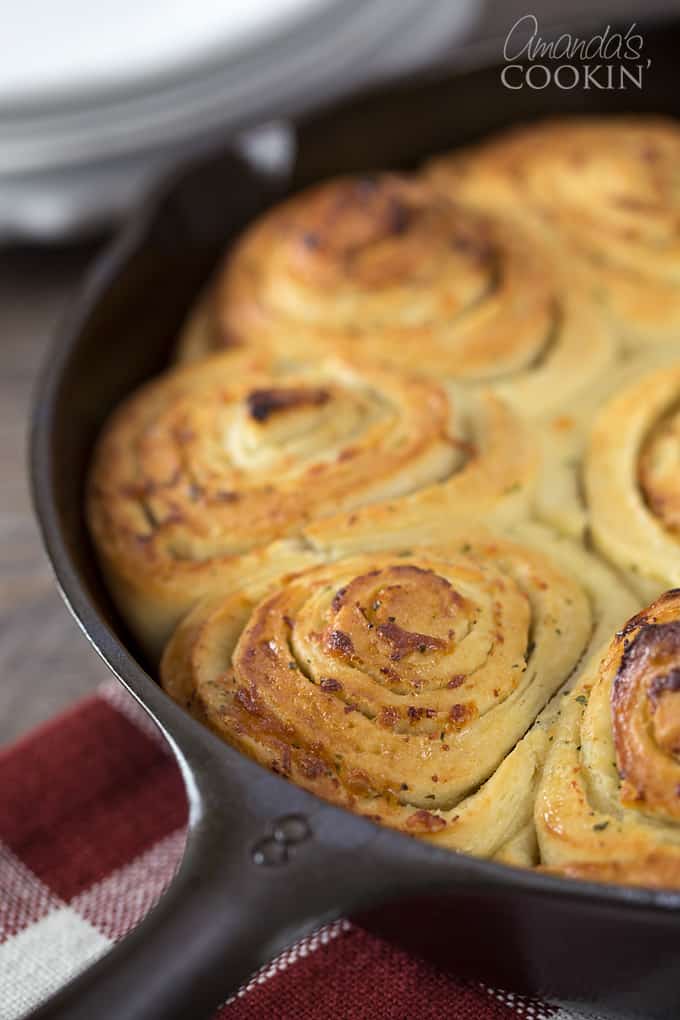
[[632, 479], [401, 684], [608, 806], [204, 467], [607, 187], [385, 267], [564, 437]]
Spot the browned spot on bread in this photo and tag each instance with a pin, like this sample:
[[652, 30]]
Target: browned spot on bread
[[225, 339], [462, 714], [248, 701], [425, 821], [359, 783], [389, 716], [404, 642], [340, 643], [262, 404], [649, 666], [398, 216], [635, 621], [312, 767], [329, 683], [414, 713], [473, 241], [656, 646], [668, 682]]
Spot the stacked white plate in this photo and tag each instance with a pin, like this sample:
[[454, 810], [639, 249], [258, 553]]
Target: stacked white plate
[[98, 99]]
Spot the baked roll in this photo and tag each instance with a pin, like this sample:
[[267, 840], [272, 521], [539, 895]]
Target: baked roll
[[604, 187], [607, 807], [387, 268], [561, 496], [203, 468], [401, 684], [632, 480]]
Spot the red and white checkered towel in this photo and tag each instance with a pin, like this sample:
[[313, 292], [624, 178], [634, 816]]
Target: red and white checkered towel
[[92, 826]]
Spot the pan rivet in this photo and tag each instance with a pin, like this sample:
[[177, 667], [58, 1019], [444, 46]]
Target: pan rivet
[[291, 829], [269, 851]]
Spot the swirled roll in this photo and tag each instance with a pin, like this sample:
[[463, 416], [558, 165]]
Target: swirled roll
[[404, 684], [608, 806], [385, 267], [606, 187], [202, 469], [561, 497], [632, 480]]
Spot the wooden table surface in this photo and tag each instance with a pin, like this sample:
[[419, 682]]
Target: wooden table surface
[[45, 663]]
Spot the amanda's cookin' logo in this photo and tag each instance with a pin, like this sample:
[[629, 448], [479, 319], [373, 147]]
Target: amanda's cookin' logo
[[608, 60]]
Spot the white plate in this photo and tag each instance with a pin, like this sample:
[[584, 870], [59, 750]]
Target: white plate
[[81, 138], [58, 49]]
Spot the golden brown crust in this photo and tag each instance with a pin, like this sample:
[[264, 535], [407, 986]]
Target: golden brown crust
[[387, 268], [609, 801], [600, 194], [654, 871], [204, 467], [308, 502], [645, 709], [399, 683], [605, 187]]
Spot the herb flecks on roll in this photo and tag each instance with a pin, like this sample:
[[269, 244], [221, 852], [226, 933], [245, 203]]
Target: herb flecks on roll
[[608, 805], [389, 268], [201, 470], [402, 684], [604, 192]]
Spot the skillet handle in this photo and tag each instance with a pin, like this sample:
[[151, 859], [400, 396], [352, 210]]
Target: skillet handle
[[258, 872]]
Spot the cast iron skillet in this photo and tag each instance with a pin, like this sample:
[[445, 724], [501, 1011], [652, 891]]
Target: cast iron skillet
[[266, 862]]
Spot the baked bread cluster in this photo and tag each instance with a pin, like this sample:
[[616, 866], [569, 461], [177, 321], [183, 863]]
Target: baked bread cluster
[[390, 519]]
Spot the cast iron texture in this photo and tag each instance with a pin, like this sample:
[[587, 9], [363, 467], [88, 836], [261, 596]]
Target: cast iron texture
[[228, 910]]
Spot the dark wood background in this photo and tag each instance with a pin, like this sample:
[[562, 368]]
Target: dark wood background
[[45, 663]]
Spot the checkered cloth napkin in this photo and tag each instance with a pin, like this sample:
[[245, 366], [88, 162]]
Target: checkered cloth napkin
[[92, 827]]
